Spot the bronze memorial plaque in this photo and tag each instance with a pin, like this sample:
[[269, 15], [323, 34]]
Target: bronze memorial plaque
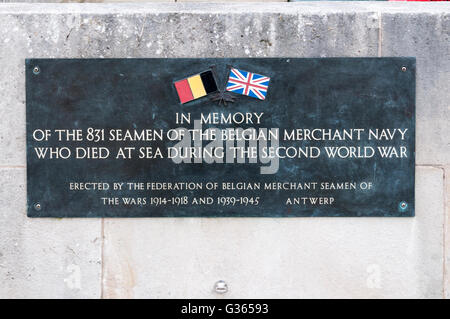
[[233, 137]]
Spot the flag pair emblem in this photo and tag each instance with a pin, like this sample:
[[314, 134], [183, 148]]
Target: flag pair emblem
[[196, 86], [239, 81]]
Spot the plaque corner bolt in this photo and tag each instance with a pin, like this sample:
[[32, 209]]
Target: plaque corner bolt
[[220, 287], [36, 70], [403, 68], [403, 205], [37, 206]]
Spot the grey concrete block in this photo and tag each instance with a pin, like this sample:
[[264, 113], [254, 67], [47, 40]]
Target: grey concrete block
[[276, 258], [425, 36], [45, 258]]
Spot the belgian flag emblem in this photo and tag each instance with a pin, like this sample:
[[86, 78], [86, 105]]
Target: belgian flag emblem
[[196, 86]]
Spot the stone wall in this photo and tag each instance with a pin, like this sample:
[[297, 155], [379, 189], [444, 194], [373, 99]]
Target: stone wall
[[169, 257], [112, 1]]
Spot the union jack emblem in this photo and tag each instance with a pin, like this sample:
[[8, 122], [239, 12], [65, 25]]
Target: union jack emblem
[[246, 83]]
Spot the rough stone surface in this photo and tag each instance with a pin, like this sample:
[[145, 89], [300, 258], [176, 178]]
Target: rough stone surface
[[257, 257], [45, 258]]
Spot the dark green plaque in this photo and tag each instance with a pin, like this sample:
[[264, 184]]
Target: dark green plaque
[[269, 137]]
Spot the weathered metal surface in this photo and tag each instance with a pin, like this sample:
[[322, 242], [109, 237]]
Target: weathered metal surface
[[332, 93]]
